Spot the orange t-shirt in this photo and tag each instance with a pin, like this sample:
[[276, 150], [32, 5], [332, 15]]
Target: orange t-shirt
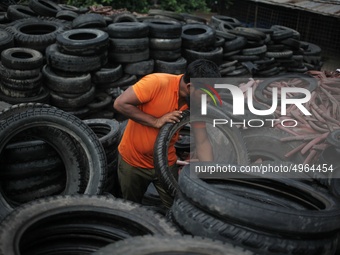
[[158, 93]]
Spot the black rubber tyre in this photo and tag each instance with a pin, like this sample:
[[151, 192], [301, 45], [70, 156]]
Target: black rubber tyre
[[131, 45], [165, 44], [311, 49], [71, 63], [224, 26], [173, 67], [283, 32], [129, 57], [70, 8], [77, 224], [21, 170], [18, 11], [23, 151], [279, 55], [141, 68], [161, 28], [219, 42], [197, 222], [29, 84], [334, 138], [197, 36], [42, 97], [22, 94], [106, 130], [215, 55], [76, 84], [169, 14], [217, 19], [101, 101], [244, 58], [107, 74], [255, 51], [166, 55], [87, 141], [89, 20], [46, 191], [67, 162], [44, 7], [125, 81], [21, 58], [66, 15], [64, 100], [227, 36], [124, 17], [6, 40], [83, 42], [190, 18], [19, 74], [189, 245], [251, 34], [290, 197], [80, 112], [236, 147], [309, 80], [264, 143], [128, 30], [36, 33], [19, 187]]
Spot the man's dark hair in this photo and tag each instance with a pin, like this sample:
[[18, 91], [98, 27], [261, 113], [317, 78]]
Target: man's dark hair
[[201, 68]]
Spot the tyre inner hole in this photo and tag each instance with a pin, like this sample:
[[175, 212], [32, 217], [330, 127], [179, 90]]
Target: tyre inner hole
[[77, 230], [46, 5], [195, 31], [21, 55], [82, 36], [40, 29]]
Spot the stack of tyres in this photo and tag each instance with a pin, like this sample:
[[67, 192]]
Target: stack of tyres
[[129, 46], [70, 62], [21, 79], [165, 45], [199, 42]]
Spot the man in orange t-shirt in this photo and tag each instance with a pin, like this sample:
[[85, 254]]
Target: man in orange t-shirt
[[154, 100]]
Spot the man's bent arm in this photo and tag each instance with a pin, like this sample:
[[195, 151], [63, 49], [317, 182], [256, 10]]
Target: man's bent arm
[[203, 145], [127, 104]]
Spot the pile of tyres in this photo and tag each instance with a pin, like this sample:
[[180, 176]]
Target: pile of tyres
[[86, 59], [61, 69], [59, 194]]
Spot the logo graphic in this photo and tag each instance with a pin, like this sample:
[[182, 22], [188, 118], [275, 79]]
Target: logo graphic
[[212, 93], [209, 90], [238, 100]]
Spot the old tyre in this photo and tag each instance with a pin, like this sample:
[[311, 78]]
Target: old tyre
[[44, 7], [149, 245], [78, 224], [83, 41], [282, 199], [234, 144], [21, 58], [199, 222], [88, 143]]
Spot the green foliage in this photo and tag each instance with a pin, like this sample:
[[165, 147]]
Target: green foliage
[[130, 5], [144, 5], [184, 5]]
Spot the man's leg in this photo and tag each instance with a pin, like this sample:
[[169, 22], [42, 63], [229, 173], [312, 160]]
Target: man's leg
[[167, 200], [134, 181]]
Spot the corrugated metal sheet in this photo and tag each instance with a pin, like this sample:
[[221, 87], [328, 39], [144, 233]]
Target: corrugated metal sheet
[[328, 8]]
